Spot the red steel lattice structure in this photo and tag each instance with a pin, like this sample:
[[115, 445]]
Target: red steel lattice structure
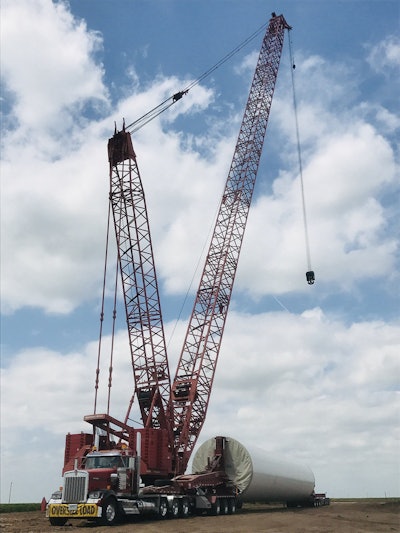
[[180, 409], [196, 368], [139, 282]]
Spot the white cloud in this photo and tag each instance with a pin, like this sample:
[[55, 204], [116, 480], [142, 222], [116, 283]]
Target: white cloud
[[324, 394], [48, 64], [339, 381], [346, 221], [54, 197], [348, 164], [276, 369], [385, 54], [62, 380], [55, 187]]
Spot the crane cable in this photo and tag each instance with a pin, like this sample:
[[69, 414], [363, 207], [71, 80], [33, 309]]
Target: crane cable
[[310, 273], [99, 349], [171, 100], [132, 128], [114, 317]]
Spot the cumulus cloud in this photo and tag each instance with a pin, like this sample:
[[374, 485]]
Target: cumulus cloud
[[54, 197], [54, 190], [343, 177], [339, 380], [385, 54], [49, 65], [335, 375], [342, 391]]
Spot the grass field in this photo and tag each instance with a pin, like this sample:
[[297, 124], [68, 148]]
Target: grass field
[[19, 507]]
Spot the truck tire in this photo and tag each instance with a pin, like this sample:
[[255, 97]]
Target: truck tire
[[231, 506], [58, 521], [109, 515], [215, 508], [163, 509], [174, 511], [185, 508], [224, 506]]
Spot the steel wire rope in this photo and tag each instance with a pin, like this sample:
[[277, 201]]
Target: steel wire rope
[[226, 57], [192, 280], [187, 88], [110, 370], [310, 273], [102, 309], [171, 100]]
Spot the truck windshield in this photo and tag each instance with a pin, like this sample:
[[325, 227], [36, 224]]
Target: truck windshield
[[105, 461]]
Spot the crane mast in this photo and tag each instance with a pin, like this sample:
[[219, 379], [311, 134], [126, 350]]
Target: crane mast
[[139, 282], [106, 480], [173, 415], [192, 385]]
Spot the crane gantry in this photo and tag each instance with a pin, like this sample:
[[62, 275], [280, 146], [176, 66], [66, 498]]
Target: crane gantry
[[173, 411]]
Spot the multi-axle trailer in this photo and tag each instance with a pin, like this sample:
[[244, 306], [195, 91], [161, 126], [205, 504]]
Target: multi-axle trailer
[[106, 486]]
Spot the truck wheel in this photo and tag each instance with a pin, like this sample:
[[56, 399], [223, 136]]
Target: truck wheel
[[174, 511], [163, 509], [215, 508], [231, 506], [58, 521], [224, 506], [109, 514], [185, 509]]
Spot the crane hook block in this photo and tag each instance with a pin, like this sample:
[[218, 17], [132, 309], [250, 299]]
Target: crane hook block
[[310, 277]]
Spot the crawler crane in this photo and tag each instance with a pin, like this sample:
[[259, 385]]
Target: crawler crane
[[137, 470]]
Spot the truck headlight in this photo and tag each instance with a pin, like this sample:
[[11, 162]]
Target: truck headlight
[[95, 495]]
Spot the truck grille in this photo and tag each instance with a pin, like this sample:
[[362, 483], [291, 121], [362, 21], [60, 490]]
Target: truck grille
[[75, 486]]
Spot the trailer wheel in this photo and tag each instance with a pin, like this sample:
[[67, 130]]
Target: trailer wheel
[[57, 521], [163, 509], [109, 514], [224, 506], [215, 508], [174, 511], [231, 506], [185, 509]]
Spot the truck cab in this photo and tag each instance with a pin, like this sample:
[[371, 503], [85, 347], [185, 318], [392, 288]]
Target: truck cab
[[110, 470], [92, 490]]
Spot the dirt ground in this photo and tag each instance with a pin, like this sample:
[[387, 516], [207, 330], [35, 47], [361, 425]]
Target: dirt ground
[[342, 517]]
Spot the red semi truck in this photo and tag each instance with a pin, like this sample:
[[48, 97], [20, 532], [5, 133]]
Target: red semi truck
[[109, 485], [106, 485]]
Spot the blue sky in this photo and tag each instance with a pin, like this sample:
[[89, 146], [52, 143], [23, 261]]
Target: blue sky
[[306, 372]]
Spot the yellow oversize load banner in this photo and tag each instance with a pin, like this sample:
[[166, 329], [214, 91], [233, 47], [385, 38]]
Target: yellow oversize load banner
[[73, 510]]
